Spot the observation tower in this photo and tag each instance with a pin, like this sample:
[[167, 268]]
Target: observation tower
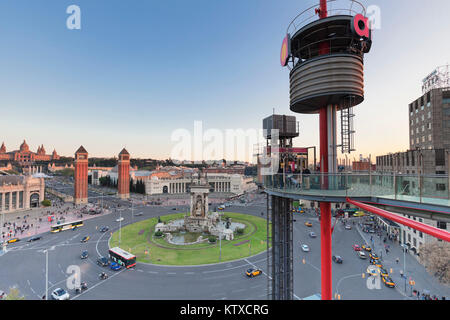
[[324, 49]]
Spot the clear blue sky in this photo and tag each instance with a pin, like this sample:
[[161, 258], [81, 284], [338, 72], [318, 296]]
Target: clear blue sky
[[137, 70]]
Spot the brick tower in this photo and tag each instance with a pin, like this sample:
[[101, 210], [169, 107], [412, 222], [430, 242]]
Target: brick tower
[[123, 172], [81, 176]]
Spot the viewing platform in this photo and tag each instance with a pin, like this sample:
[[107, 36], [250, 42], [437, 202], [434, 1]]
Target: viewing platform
[[412, 191]]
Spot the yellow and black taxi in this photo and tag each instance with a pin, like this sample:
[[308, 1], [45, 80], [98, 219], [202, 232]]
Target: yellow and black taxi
[[374, 256], [253, 272], [383, 272], [372, 270], [308, 224], [376, 263], [12, 240], [85, 239], [388, 282], [367, 248]]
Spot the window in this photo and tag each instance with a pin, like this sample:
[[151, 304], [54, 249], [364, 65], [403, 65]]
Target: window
[[445, 100], [417, 120], [429, 126], [429, 114], [440, 186], [412, 132], [440, 157], [423, 138], [7, 201], [423, 128], [442, 225], [417, 130], [429, 137], [414, 241], [423, 117]]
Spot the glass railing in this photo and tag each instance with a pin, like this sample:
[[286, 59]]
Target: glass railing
[[424, 189]]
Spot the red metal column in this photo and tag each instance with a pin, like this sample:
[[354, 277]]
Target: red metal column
[[325, 207]]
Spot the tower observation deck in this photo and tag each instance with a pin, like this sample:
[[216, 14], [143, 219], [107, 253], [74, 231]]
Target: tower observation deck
[[324, 49]]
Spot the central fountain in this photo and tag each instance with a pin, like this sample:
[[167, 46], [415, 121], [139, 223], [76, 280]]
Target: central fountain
[[199, 219]]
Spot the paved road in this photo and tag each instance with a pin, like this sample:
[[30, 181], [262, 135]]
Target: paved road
[[24, 265]]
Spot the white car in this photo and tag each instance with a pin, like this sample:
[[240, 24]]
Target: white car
[[305, 248], [60, 294], [119, 219], [362, 255]]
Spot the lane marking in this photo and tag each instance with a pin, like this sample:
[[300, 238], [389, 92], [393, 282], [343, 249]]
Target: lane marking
[[99, 283]]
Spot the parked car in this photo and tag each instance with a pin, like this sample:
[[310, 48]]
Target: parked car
[[60, 294], [337, 259], [388, 282], [383, 272], [372, 270], [374, 256], [305, 248], [104, 262], [376, 263]]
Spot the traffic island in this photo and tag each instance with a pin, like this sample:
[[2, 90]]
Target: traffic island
[[149, 246]]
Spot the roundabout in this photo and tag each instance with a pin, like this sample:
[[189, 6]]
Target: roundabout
[[139, 239]]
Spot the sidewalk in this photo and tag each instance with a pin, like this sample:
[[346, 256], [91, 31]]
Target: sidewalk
[[30, 218], [414, 270]]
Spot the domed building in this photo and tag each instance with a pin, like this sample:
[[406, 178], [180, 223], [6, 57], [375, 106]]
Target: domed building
[[25, 156]]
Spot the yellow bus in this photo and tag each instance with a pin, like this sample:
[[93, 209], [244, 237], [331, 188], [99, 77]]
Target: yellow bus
[[66, 226]]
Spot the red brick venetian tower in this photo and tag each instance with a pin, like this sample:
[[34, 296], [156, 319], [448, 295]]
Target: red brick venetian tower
[[123, 171], [81, 176]]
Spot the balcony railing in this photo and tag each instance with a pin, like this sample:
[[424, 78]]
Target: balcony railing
[[423, 189]]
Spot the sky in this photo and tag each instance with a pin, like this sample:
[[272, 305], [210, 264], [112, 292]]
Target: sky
[[138, 70]]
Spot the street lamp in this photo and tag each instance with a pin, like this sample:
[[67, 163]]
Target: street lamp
[[120, 227], [46, 271], [404, 263]]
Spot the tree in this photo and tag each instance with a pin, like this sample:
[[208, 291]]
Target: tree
[[46, 203], [435, 256], [14, 294]]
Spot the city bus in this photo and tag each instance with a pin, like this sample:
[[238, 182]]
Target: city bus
[[66, 226], [122, 257]]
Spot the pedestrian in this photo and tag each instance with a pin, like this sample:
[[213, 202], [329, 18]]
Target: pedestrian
[[397, 260]]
